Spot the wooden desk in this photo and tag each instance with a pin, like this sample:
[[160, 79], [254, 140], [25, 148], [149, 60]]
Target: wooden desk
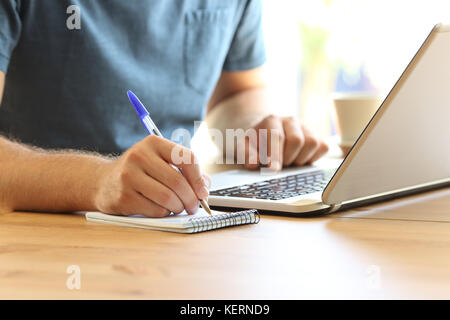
[[327, 257]]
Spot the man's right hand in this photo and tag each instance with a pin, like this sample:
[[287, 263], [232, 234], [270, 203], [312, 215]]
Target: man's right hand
[[143, 180]]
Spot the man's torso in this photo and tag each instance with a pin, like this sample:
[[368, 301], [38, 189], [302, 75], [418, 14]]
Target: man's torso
[[70, 84]]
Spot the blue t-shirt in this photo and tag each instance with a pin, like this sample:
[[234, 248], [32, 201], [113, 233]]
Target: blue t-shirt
[[66, 86]]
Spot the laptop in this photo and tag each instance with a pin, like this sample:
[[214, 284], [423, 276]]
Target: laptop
[[404, 149]]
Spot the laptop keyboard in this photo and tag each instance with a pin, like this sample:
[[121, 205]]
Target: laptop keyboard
[[280, 188]]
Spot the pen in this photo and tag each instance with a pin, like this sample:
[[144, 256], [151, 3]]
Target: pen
[[153, 129]]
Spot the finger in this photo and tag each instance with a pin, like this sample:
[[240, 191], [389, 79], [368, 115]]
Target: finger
[[156, 192], [208, 182], [323, 149], [251, 149], [273, 140], [147, 158], [175, 181], [310, 147], [207, 179], [294, 140], [185, 159], [138, 204]]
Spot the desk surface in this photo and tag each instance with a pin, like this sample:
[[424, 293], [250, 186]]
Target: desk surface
[[327, 257]]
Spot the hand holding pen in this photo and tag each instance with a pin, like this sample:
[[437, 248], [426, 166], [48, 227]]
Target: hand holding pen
[[153, 129], [144, 181]]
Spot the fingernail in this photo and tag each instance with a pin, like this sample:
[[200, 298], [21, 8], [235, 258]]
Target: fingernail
[[276, 166], [194, 210], [206, 183]]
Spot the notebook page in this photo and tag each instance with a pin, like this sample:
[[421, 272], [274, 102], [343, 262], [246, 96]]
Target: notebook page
[[173, 221]]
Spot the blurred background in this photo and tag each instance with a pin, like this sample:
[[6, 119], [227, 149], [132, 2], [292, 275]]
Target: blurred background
[[318, 47]]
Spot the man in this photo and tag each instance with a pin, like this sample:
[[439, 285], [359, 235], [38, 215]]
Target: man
[[68, 66]]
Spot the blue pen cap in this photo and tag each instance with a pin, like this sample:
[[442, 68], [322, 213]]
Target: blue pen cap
[[138, 106]]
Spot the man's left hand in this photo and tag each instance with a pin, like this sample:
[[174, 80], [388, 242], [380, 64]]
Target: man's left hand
[[293, 144]]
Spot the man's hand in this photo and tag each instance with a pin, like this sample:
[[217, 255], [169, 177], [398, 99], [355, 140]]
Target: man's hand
[[144, 181], [239, 100], [141, 181], [287, 143]]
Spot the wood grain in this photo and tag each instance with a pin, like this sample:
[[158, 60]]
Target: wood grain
[[327, 257]]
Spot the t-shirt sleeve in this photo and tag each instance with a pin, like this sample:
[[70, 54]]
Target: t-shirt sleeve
[[10, 28], [247, 49]]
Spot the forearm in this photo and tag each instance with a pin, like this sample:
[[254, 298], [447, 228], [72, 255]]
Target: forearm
[[240, 101], [241, 110], [37, 180]]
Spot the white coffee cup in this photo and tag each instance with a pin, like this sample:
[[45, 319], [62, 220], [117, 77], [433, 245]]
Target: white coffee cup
[[353, 112]]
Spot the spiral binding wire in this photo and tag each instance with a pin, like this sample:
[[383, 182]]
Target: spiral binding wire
[[201, 224]]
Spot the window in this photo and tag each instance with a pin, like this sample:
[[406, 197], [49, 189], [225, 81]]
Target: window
[[316, 47]]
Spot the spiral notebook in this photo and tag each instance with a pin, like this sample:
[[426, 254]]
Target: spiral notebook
[[182, 223]]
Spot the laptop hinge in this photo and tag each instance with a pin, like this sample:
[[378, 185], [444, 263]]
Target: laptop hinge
[[334, 208]]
